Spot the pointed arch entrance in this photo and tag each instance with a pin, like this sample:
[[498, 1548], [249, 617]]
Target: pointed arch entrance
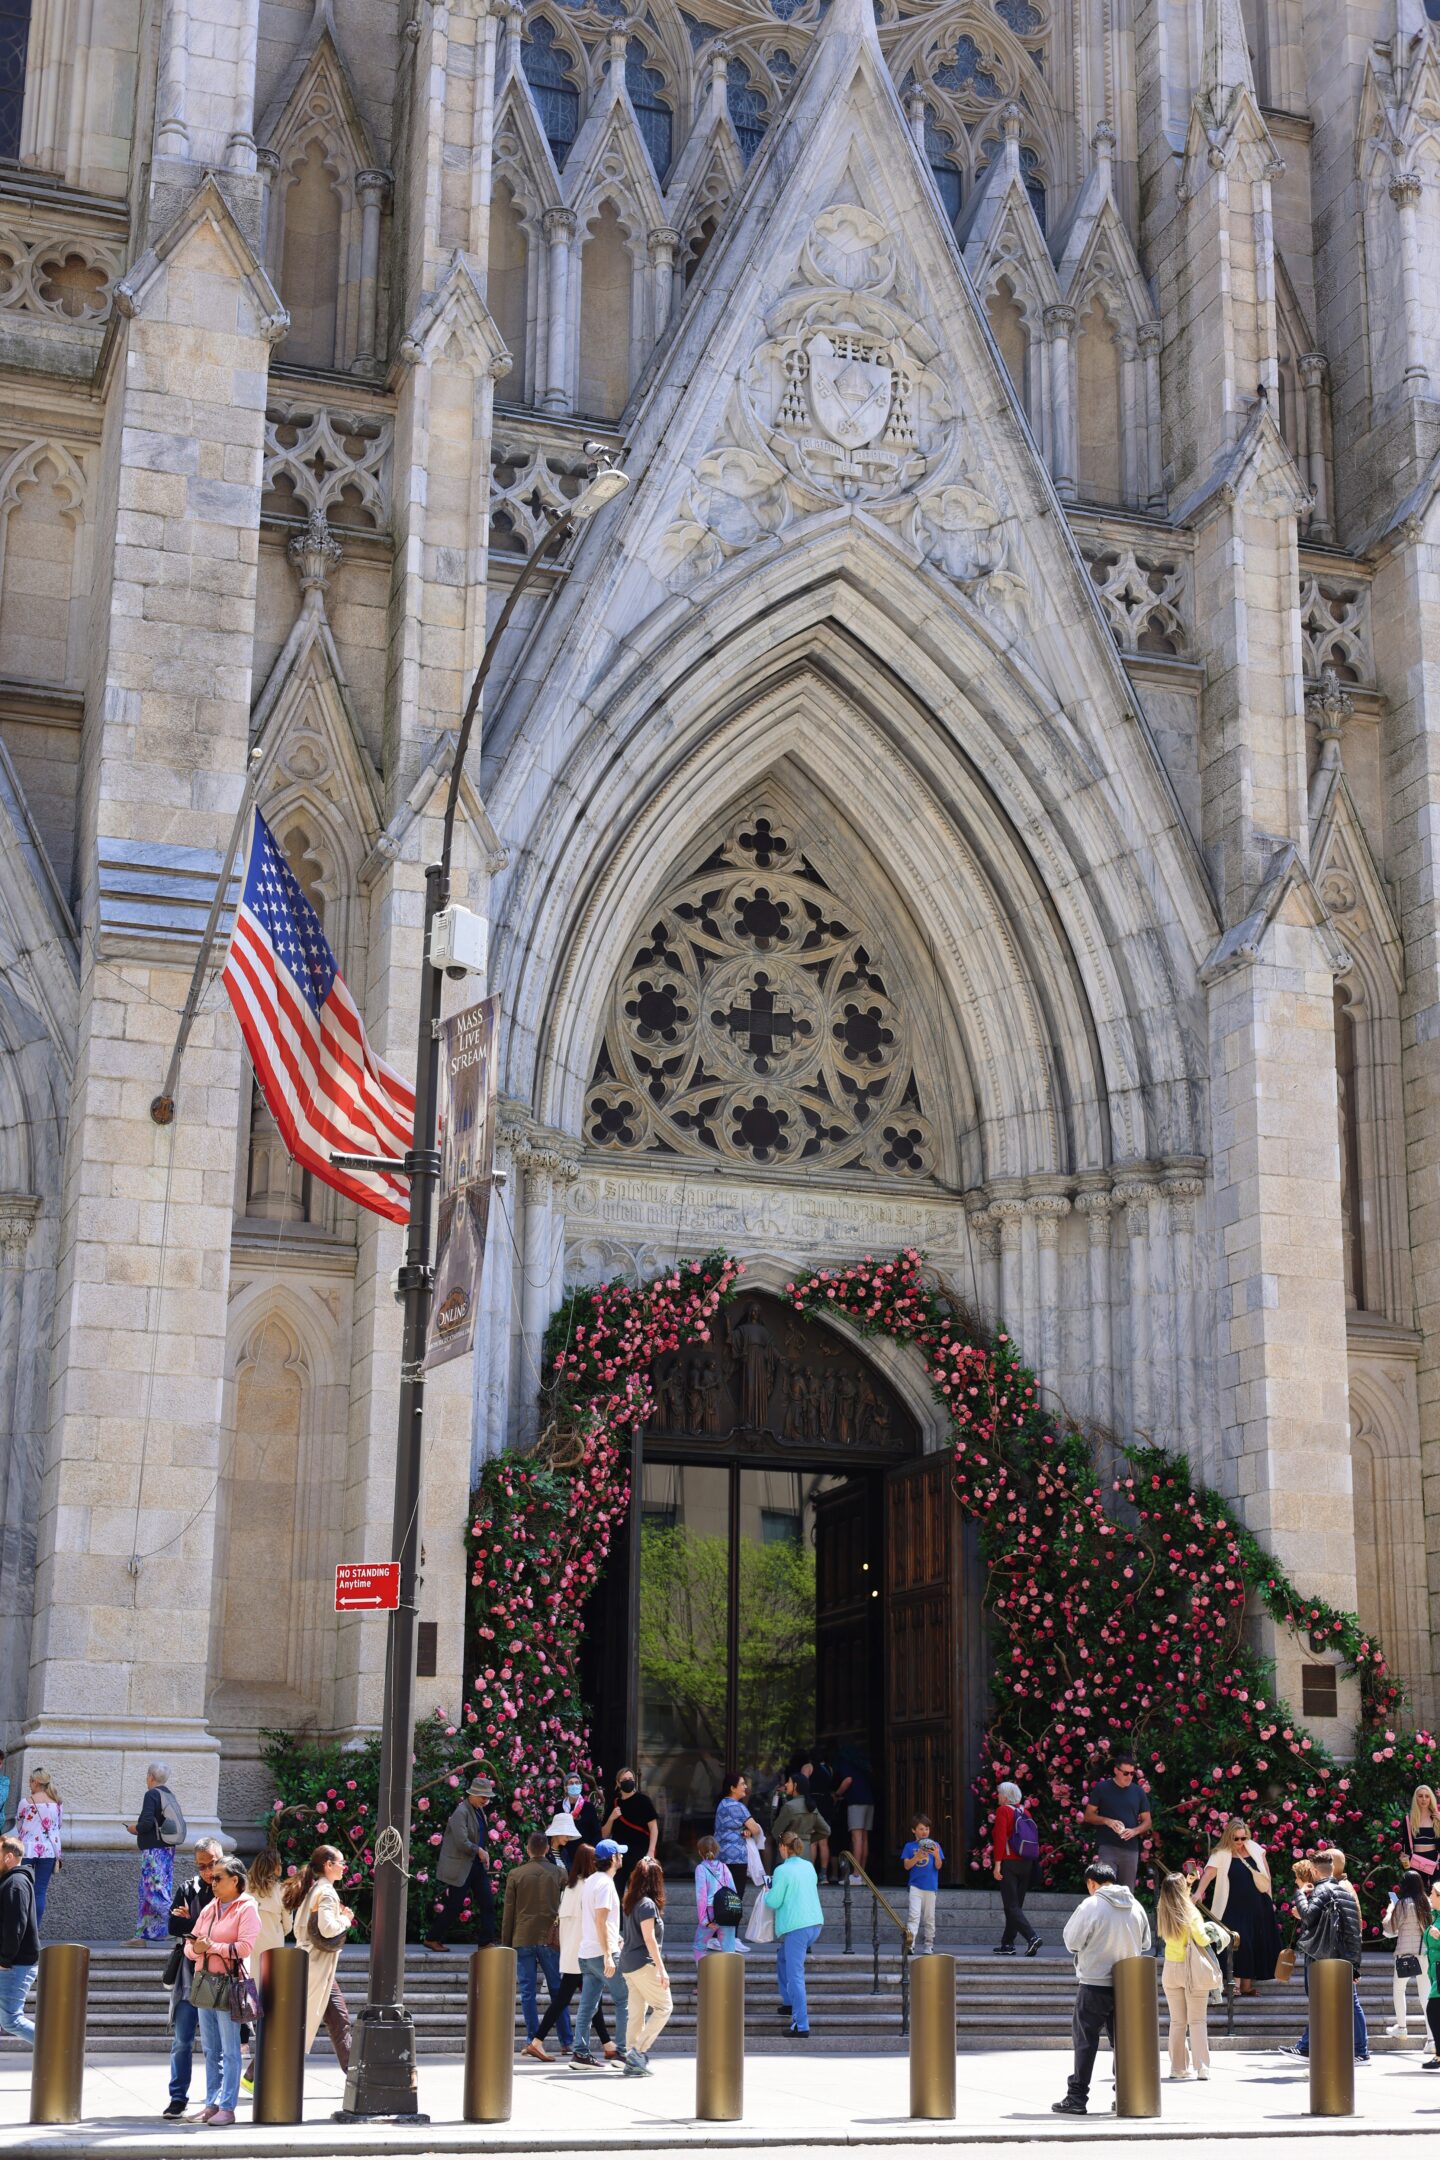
[[797, 1584]]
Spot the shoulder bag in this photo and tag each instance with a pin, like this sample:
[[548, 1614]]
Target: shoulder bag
[[1202, 1969], [242, 1993], [209, 1990]]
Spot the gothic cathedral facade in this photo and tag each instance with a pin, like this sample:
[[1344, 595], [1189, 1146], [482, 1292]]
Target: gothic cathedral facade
[[976, 789]]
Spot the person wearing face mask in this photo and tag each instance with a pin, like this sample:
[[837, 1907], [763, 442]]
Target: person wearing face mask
[[633, 1824], [589, 1823]]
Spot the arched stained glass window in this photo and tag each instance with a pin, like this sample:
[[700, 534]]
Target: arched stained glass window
[[547, 70], [14, 39], [747, 108], [940, 154], [646, 87], [966, 72], [1021, 17]]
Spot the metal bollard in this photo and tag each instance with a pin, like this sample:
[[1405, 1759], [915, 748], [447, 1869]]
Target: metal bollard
[[932, 2040], [280, 2081], [720, 2038], [490, 2036], [1137, 2038], [1332, 2037], [58, 2070]]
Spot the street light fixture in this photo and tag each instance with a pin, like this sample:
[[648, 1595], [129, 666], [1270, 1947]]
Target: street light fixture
[[381, 2081]]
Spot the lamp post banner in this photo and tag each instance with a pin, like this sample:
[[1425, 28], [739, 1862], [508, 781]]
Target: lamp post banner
[[467, 1162]]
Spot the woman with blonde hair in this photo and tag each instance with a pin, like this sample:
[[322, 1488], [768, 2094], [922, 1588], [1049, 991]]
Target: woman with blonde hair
[[321, 1924], [1188, 1980], [1422, 1831], [38, 1822], [1243, 1897], [265, 1887]]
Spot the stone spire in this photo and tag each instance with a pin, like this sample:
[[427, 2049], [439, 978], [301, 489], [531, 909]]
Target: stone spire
[[1226, 65]]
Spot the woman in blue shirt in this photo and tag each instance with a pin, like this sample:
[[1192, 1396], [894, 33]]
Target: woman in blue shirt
[[794, 1898], [733, 1825]]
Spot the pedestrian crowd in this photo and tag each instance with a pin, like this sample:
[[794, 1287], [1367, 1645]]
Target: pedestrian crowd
[[586, 1913]]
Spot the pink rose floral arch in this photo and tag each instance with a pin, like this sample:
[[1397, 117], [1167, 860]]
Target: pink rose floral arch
[[1117, 1608]]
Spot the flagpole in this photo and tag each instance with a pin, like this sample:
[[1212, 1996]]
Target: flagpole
[[162, 1109], [381, 2083]]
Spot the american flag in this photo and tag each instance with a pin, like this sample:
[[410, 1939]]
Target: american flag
[[326, 1089]]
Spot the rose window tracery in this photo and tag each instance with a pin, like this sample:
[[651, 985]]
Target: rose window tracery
[[754, 1024]]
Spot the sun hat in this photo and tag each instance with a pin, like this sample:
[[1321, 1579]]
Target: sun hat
[[563, 1825]]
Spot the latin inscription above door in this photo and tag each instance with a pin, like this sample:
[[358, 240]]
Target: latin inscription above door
[[771, 1381]]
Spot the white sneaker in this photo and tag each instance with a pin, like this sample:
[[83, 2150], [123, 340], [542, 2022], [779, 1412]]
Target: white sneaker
[[1180, 2077], [1397, 2032], [1203, 2071]]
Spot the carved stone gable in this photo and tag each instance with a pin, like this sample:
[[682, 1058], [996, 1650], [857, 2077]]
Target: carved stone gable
[[772, 1382]]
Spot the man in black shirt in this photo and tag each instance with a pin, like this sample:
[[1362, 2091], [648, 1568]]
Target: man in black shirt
[[19, 1940], [1118, 1811], [634, 1825]]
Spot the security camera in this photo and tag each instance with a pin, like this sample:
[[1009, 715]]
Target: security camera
[[459, 943]]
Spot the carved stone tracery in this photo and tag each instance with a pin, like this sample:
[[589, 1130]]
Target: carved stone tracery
[[753, 1024], [775, 1383]]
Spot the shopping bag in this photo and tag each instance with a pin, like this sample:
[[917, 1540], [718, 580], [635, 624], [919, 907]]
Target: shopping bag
[[754, 1864], [760, 1927]]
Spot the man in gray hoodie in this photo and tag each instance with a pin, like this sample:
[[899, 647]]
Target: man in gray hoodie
[[1106, 1927]]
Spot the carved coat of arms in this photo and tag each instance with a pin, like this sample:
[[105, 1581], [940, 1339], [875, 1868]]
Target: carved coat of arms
[[850, 387]]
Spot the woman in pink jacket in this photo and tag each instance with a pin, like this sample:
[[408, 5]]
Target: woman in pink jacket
[[222, 1941]]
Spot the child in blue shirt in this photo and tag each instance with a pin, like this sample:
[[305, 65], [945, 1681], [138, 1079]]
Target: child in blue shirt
[[923, 1860]]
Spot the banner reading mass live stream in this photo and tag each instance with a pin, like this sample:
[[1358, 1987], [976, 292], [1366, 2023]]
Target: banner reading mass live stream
[[467, 1150]]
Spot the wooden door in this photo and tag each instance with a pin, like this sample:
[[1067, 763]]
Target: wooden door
[[848, 1616], [924, 1711]]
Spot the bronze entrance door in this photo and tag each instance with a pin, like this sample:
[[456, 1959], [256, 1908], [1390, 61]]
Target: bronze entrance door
[[924, 1693]]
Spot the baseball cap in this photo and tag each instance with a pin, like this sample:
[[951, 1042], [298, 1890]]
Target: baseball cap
[[607, 1849]]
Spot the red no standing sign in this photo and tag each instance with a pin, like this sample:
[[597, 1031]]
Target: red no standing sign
[[367, 1586]]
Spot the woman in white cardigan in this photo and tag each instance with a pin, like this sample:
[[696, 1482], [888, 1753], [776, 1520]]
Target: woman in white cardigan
[[1243, 1897]]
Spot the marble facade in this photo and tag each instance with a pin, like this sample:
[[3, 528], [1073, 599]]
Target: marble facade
[[975, 790]]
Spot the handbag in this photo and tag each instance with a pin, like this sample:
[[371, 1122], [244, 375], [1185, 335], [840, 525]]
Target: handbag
[[1407, 1966], [242, 1993], [1285, 1965], [1202, 1970], [173, 1965], [1422, 1863], [209, 1990]]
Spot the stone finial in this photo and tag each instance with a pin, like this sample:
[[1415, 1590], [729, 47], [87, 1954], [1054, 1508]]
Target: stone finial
[[315, 553], [1331, 707], [1102, 142]]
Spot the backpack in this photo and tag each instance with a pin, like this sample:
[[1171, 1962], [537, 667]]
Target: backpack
[[727, 1907], [1024, 1837], [171, 1826]]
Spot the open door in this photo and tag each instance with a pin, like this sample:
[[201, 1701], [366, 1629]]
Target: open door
[[925, 1726]]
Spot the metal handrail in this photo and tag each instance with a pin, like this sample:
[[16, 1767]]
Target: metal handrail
[[878, 1901]]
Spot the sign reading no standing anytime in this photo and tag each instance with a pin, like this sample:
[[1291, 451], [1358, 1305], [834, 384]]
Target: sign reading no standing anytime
[[367, 1586]]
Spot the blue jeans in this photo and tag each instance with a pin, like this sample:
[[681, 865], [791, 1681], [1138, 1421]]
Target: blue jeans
[[182, 2049], [1362, 2032], [791, 1959], [42, 1870], [15, 1981], [221, 2036], [593, 1984], [527, 1958]]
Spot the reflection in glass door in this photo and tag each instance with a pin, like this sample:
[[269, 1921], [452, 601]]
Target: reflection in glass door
[[727, 1631]]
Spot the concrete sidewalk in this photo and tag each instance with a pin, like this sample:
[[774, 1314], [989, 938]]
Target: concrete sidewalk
[[800, 2102]]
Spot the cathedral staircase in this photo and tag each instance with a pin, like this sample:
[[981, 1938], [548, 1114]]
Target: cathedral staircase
[[855, 1999]]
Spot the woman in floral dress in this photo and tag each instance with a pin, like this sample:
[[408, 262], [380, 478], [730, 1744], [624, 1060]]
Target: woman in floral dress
[[37, 1825]]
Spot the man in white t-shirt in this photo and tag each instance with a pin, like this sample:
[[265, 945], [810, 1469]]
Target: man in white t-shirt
[[600, 1940]]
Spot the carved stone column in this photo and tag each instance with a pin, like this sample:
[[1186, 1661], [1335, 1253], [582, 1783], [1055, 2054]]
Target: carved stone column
[[1182, 1190], [1312, 375], [1148, 337], [1059, 323], [664, 241], [985, 1245], [1008, 1215], [1097, 1203], [173, 136], [371, 187], [1047, 1211], [1406, 190], [559, 235], [1135, 1199]]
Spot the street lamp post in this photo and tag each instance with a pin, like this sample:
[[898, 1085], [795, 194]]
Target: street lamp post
[[381, 2081]]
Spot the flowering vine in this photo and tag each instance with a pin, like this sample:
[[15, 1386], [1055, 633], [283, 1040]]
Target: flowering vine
[[1117, 1613]]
